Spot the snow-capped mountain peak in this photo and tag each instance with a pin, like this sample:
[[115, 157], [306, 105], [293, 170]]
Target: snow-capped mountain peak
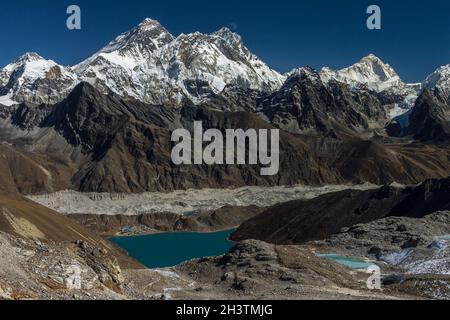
[[304, 73], [31, 78], [370, 71], [149, 64], [28, 57], [373, 74], [149, 36], [130, 48], [231, 37], [27, 64], [439, 80]]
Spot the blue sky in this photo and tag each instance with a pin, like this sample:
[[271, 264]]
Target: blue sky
[[415, 38]]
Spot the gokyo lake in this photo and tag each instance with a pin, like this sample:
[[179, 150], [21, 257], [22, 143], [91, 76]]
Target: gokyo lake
[[169, 249]]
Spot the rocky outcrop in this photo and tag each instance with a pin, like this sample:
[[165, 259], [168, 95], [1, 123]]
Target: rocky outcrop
[[104, 265], [301, 221], [413, 253], [260, 270], [383, 239], [25, 219], [429, 119], [57, 270], [306, 220], [306, 104], [215, 220]]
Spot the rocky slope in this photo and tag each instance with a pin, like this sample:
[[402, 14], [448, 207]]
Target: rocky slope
[[413, 252], [25, 219], [31, 269], [224, 218], [26, 171], [101, 143], [254, 269], [306, 104], [298, 222], [429, 119], [305, 220], [384, 238], [134, 139]]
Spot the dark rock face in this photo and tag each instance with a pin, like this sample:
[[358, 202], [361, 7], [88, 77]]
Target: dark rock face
[[429, 197], [298, 222], [220, 219], [394, 129], [102, 143], [306, 104], [28, 117], [430, 118], [126, 145], [302, 221], [235, 99]]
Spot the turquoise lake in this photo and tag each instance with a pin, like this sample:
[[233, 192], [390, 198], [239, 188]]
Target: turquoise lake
[[169, 249], [352, 263]]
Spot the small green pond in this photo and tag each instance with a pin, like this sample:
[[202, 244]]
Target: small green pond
[[353, 263]]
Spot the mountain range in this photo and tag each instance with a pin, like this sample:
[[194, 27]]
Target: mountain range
[[149, 64], [103, 127], [105, 124]]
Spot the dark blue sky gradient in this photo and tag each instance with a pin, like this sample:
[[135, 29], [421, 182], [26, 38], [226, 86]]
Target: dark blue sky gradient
[[415, 38]]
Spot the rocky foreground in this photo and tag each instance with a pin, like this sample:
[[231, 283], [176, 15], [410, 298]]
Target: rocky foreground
[[413, 260], [414, 254], [251, 270], [31, 269], [403, 231]]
